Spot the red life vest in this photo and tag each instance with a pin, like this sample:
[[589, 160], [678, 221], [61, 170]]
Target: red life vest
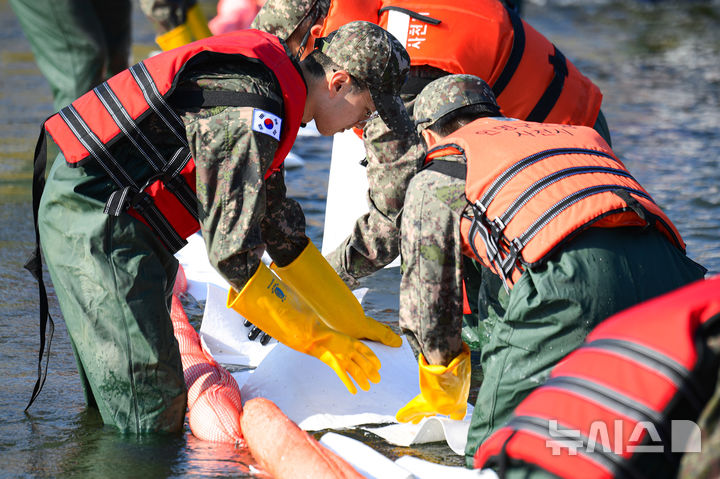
[[623, 403], [111, 112], [531, 78], [532, 186]]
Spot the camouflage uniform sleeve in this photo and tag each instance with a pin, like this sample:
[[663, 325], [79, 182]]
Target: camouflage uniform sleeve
[[431, 285], [231, 160], [283, 226], [374, 242]]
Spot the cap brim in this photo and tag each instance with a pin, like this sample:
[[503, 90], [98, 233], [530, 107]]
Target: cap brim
[[392, 111]]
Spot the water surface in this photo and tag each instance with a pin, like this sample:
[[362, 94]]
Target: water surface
[[657, 65]]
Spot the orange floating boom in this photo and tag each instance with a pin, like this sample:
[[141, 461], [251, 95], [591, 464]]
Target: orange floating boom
[[286, 451]]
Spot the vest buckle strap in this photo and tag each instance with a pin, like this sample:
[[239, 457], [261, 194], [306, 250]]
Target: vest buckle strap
[[497, 227], [480, 226], [510, 262], [119, 200], [145, 207], [129, 197], [140, 202]]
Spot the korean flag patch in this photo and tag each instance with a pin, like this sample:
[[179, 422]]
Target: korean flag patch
[[265, 122]]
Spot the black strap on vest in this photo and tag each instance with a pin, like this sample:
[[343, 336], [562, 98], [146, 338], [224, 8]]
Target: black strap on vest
[[412, 14], [34, 264], [189, 98], [157, 101], [550, 97], [516, 53], [419, 77], [456, 169], [516, 168], [551, 94]]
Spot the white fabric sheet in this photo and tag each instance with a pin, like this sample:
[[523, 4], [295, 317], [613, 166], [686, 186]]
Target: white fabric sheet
[[304, 388], [347, 191]]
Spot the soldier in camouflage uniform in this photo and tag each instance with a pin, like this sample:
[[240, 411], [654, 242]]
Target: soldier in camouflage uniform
[[549, 310], [112, 274], [392, 158]]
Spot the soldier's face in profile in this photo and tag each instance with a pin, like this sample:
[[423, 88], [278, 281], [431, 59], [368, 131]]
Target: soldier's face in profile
[[344, 106]]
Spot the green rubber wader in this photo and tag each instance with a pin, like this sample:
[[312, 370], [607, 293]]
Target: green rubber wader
[[113, 279], [487, 300], [552, 309]]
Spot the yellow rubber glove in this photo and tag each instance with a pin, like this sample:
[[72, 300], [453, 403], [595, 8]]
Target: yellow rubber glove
[[174, 38], [443, 390], [320, 286], [196, 21], [275, 308]]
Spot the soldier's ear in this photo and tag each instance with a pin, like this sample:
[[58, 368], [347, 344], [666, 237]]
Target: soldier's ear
[[430, 137], [338, 80]]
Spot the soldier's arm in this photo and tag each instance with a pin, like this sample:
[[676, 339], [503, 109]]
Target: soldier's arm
[[431, 286], [231, 160], [283, 227], [392, 160]]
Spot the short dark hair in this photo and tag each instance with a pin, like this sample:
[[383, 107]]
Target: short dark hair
[[318, 64], [456, 119]]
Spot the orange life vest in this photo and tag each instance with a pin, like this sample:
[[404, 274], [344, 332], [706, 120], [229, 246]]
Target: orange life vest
[[623, 404], [86, 129], [531, 78], [532, 186]]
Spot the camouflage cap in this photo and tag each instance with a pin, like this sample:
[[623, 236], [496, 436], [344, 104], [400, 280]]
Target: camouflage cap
[[449, 93], [375, 57], [282, 17]]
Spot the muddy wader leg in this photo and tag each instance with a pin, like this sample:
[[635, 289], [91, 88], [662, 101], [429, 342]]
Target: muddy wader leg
[[77, 43], [552, 309], [114, 279]]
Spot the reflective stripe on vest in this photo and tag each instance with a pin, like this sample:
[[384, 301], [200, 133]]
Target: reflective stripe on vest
[[531, 78], [629, 394], [166, 201], [532, 186]]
